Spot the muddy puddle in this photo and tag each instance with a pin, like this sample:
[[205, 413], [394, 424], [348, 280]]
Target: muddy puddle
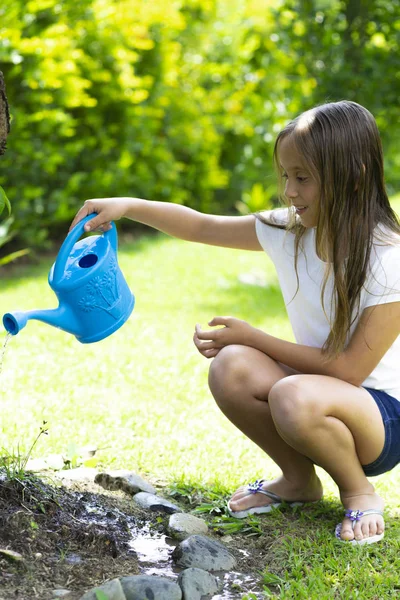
[[153, 552], [76, 539]]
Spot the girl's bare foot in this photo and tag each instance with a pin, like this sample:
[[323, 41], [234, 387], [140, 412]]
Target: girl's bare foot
[[242, 499], [367, 526]]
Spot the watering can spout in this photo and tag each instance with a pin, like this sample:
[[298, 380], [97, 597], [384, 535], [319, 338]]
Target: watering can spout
[[60, 317], [94, 298]]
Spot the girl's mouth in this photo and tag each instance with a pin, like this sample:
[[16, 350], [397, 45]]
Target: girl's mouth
[[300, 209]]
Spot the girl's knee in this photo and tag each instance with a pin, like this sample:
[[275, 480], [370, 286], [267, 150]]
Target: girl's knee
[[292, 403], [228, 370]]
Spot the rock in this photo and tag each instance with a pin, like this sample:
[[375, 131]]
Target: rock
[[61, 593], [79, 474], [196, 583], [148, 587], [155, 503], [127, 481], [204, 553], [37, 464], [11, 556], [112, 590], [181, 525], [55, 462]]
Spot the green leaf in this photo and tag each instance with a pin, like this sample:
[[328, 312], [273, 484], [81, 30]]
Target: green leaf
[[100, 595], [4, 201], [13, 256]]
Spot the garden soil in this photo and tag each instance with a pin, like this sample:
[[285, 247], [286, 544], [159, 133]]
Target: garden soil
[[78, 538]]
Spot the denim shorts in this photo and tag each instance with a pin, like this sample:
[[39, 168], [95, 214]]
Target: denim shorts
[[390, 455]]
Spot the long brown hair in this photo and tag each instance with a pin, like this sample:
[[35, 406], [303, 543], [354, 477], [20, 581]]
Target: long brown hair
[[341, 145]]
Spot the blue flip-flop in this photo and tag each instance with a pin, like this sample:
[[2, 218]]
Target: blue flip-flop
[[256, 488], [354, 516]]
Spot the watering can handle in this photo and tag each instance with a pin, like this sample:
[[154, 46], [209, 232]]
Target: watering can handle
[[72, 238]]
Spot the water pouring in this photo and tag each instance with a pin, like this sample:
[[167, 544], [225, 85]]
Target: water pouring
[[94, 298]]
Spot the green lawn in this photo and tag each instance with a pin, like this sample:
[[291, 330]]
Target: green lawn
[[142, 395]]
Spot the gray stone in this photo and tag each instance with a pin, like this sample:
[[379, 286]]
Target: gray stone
[[204, 553], [155, 503], [79, 474], [127, 481], [182, 525], [53, 462], [112, 590], [196, 583], [61, 593], [149, 587]]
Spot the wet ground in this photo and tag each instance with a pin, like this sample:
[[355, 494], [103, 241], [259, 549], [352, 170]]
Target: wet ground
[[80, 537]]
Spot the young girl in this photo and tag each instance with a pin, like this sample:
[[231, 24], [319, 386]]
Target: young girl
[[333, 398]]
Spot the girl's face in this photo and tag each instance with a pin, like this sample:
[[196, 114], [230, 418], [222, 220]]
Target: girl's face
[[301, 189]]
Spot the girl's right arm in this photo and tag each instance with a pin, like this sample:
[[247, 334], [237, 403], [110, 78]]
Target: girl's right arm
[[175, 220]]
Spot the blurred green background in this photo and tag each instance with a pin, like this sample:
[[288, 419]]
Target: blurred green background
[[177, 100]]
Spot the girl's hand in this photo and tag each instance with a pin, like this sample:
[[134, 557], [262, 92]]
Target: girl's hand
[[234, 331], [107, 209]]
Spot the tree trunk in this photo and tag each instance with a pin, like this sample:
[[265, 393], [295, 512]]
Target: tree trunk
[[4, 116]]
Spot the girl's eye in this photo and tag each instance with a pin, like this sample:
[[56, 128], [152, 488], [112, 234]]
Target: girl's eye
[[302, 179]]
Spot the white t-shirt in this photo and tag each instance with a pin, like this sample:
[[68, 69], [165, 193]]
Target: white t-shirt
[[309, 323]]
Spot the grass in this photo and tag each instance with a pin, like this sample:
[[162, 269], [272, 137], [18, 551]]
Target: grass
[[142, 396]]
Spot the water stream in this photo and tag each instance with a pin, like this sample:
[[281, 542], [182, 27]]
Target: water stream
[[3, 351], [154, 550]]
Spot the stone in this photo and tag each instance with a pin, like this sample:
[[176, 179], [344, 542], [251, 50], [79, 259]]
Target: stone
[[182, 525], [204, 553], [196, 583], [150, 587], [11, 556], [127, 481], [155, 503], [55, 462], [61, 593], [112, 590], [79, 474], [36, 465]]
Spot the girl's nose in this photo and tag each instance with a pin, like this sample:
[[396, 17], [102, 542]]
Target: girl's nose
[[290, 190]]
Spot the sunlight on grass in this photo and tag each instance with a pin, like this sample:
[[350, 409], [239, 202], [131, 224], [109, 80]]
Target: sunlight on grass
[[142, 396]]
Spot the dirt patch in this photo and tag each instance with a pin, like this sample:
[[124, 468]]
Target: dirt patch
[[80, 537], [68, 539]]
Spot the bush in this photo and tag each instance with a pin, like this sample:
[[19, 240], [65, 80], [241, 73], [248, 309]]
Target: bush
[[176, 101]]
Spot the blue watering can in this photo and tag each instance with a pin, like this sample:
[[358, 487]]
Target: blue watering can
[[94, 298]]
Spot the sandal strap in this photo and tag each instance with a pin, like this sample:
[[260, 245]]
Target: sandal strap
[[256, 488], [355, 515]]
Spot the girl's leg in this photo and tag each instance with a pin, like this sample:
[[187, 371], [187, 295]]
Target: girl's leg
[[339, 427], [240, 380]]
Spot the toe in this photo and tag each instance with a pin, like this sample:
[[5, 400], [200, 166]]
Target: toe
[[373, 526], [380, 526], [365, 529], [347, 530], [242, 503]]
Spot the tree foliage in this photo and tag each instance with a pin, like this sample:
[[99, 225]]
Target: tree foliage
[[178, 101]]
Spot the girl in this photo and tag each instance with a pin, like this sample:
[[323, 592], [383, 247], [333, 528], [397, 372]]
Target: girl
[[333, 398]]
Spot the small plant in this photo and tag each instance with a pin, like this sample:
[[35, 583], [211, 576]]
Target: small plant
[[4, 201], [76, 457], [5, 234], [249, 527], [14, 464], [101, 595]]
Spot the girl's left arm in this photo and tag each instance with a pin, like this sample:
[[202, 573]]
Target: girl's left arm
[[375, 333]]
